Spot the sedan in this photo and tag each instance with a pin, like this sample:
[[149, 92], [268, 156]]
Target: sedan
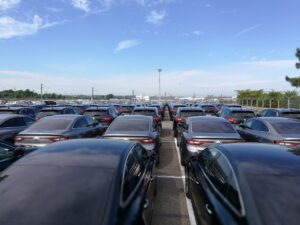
[[245, 184], [276, 130], [202, 131], [136, 128], [11, 125], [104, 114], [84, 182], [58, 128]]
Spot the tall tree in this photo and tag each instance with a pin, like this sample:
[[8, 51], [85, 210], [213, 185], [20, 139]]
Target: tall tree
[[295, 81]]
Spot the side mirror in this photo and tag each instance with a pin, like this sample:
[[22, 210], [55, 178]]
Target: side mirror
[[20, 150]]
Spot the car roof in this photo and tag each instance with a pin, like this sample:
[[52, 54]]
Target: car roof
[[190, 109], [55, 108], [63, 116], [98, 108], [256, 158], [240, 109]]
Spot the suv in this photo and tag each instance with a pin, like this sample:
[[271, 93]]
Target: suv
[[236, 115]]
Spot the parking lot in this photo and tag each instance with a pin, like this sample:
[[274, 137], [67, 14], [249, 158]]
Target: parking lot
[[170, 206]]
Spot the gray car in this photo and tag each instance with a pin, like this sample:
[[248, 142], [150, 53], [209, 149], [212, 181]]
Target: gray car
[[136, 128], [56, 128], [11, 125], [276, 130]]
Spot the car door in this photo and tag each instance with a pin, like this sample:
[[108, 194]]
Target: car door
[[11, 127], [198, 184], [246, 130], [81, 128], [181, 128], [96, 129], [150, 183], [260, 132]]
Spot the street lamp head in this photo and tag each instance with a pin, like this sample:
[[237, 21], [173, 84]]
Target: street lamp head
[[159, 70]]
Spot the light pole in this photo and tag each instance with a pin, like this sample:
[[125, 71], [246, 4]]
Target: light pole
[[159, 89]]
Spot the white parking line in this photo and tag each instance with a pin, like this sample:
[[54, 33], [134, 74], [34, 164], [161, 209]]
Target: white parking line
[[188, 201]]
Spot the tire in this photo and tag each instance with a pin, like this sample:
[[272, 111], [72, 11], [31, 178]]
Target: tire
[[187, 186]]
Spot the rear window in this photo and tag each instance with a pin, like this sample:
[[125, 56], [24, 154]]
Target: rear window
[[295, 115], [212, 127], [144, 112], [96, 112], [47, 124], [129, 125], [48, 113], [191, 113], [289, 127], [243, 114]]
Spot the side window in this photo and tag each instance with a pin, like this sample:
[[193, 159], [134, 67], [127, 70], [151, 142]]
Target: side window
[[81, 123], [248, 123], [28, 120], [271, 113], [206, 157], [14, 122], [131, 175], [263, 113], [223, 179], [258, 125], [89, 120]]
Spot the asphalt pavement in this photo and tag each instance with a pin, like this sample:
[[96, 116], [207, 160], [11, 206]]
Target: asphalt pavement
[[170, 206]]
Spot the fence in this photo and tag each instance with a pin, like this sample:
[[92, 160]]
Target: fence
[[271, 103]]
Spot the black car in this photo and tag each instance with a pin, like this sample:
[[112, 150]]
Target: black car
[[103, 115], [149, 111], [173, 109], [202, 131], [55, 110], [208, 109], [160, 109], [245, 184], [276, 130], [182, 114], [79, 182], [11, 125], [289, 113], [126, 109], [28, 111], [59, 128], [136, 128], [9, 154], [236, 115]]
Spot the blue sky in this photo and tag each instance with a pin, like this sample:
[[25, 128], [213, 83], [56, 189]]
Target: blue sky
[[116, 46]]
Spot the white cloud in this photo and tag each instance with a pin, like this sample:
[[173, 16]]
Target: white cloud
[[197, 32], [156, 17], [282, 64], [122, 45], [8, 4], [83, 5], [9, 27], [245, 31]]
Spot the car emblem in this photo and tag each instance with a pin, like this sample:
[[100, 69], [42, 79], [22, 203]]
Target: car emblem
[[125, 139], [218, 141], [36, 138]]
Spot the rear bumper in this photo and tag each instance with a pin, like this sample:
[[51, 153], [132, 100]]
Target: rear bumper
[[31, 145]]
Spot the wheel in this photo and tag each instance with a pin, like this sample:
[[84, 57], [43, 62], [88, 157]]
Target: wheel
[[187, 185]]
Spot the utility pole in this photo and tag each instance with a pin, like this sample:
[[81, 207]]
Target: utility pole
[[159, 88], [42, 86], [92, 98]]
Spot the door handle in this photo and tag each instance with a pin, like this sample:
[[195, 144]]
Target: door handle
[[208, 210], [146, 204]]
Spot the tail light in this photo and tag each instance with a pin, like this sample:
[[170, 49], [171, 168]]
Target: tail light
[[147, 141], [18, 138], [194, 142], [180, 119], [107, 118], [288, 144], [231, 120], [59, 138], [156, 118]]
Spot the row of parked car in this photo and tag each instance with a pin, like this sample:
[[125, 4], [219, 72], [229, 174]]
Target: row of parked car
[[233, 182], [96, 167]]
